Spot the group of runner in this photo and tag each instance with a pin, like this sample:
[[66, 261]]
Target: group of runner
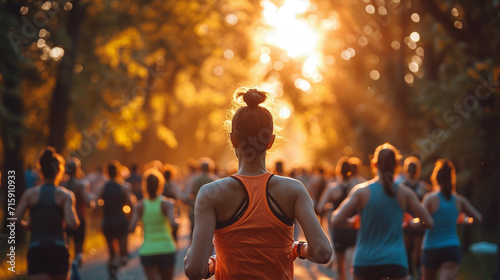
[[243, 225]]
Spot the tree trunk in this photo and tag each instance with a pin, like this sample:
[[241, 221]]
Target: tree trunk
[[401, 90], [11, 112], [60, 102]]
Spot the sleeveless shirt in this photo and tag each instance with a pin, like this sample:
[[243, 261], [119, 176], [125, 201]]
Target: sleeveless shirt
[[380, 237], [47, 219], [158, 237], [444, 232], [259, 244]]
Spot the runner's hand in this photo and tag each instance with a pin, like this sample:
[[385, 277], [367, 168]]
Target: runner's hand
[[211, 266]]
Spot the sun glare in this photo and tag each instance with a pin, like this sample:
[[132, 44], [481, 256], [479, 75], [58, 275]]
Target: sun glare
[[290, 32]]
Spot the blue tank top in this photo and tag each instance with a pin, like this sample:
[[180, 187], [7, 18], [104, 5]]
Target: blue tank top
[[444, 232], [380, 237], [47, 219]]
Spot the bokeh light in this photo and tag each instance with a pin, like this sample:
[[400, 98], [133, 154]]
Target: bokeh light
[[302, 84], [285, 113], [395, 45], [370, 9], [290, 32], [415, 37], [374, 75], [232, 19], [415, 17], [228, 54]]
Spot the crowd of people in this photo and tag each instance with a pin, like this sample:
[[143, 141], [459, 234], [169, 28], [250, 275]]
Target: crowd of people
[[246, 223]]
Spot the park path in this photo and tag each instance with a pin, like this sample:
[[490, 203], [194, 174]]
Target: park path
[[95, 269]]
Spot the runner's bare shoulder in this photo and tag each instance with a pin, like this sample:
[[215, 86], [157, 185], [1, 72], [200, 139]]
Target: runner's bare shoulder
[[286, 183], [362, 187]]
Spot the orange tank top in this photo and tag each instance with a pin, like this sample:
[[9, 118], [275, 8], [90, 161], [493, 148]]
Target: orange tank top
[[258, 245]]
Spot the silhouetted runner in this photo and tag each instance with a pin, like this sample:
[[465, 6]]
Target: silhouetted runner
[[50, 207]]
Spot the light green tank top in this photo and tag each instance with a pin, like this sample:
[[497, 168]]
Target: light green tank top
[[158, 237]]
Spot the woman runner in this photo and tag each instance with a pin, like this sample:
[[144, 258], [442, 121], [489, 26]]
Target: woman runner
[[252, 212], [356, 170], [413, 235], [380, 251], [80, 190], [343, 239], [51, 206], [441, 248], [157, 213]]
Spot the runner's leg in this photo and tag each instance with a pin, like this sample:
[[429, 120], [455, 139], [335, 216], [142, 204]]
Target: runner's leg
[[122, 244], [428, 274], [340, 265], [167, 273], [152, 272], [111, 248], [448, 271], [348, 255]]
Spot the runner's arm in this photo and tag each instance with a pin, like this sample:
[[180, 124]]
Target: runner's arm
[[417, 209], [318, 245], [325, 197], [85, 195], [469, 210], [168, 208], [21, 210], [129, 196], [136, 213], [70, 216], [196, 261], [347, 208]]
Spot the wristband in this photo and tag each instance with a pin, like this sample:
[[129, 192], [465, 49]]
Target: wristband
[[210, 267], [298, 249]]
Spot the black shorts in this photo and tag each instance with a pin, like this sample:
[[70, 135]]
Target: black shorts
[[343, 238], [48, 260], [78, 234], [162, 260], [115, 231], [434, 258], [376, 272]]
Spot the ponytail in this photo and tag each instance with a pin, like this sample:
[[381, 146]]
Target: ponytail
[[412, 167], [50, 164], [386, 159], [444, 177], [344, 168]]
